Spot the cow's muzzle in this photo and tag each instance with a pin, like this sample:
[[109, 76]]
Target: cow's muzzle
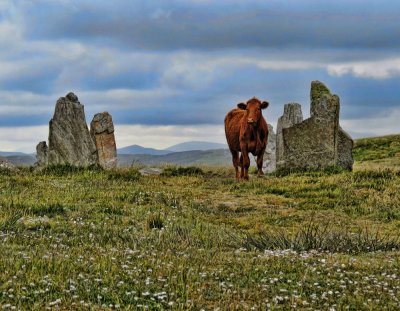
[[251, 121]]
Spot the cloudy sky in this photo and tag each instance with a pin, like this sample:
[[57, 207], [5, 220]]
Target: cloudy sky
[[168, 71]]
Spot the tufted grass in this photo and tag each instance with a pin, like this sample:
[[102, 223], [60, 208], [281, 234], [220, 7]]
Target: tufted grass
[[197, 239]]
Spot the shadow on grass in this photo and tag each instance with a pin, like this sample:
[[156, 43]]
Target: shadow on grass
[[182, 171], [322, 238]]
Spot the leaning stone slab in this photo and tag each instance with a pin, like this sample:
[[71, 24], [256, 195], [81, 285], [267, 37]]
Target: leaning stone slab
[[102, 131]]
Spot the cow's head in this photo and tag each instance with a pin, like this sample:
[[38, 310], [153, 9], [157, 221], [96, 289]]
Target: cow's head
[[253, 109]]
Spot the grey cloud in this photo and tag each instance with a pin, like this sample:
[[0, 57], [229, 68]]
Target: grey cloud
[[219, 26], [126, 58]]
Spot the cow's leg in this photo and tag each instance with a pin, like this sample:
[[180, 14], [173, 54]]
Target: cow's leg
[[260, 158], [235, 161], [241, 166], [246, 163]]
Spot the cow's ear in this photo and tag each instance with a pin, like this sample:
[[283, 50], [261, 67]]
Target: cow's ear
[[264, 105], [242, 106]]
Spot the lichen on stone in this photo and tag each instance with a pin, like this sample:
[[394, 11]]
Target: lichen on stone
[[318, 89]]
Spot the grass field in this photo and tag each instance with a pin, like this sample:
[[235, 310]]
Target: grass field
[[196, 239]]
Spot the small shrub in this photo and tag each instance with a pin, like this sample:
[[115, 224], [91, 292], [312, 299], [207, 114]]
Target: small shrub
[[9, 224], [155, 222], [50, 210], [183, 171]]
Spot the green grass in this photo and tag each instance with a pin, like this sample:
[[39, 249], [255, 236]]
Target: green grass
[[196, 239], [377, 152], [377, 148], [182, 171]]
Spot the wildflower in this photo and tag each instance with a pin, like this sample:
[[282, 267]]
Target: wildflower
[[54, 303]]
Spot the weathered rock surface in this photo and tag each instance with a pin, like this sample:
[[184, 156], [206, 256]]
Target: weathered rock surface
[[7, 165], [34, 222], [102, 131], [147, 171], [69, 139], [292, 115], [317, 142], [345, 150], [269, 164], [42, 154]]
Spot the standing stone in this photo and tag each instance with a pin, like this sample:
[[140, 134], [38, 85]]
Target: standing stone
[[69, 138], [269, 164], [292, 115], [102, 131], [345, 150], [42, 154], [317, 142]]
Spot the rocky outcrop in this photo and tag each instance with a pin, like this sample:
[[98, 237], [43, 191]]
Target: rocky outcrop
[[69, 139], [149, 171], [269, 164], [42, 154], [317, 142], [6, 165], [102, 131]]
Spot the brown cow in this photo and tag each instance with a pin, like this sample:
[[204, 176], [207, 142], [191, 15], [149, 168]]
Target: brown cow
[[246, 131]]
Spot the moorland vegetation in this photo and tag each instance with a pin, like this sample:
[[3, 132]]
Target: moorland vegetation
[[194, 238]]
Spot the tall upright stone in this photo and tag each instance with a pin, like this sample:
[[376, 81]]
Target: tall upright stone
[[269, 164], [292, 115], [69, 139], [42, 154], [317, 142], [102, 131]]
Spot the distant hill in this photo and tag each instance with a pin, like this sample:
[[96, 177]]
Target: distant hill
[[377, 152], [195, 157], [10, 153], [196, 145], [375, 148], [22, 160], [136, 149]]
